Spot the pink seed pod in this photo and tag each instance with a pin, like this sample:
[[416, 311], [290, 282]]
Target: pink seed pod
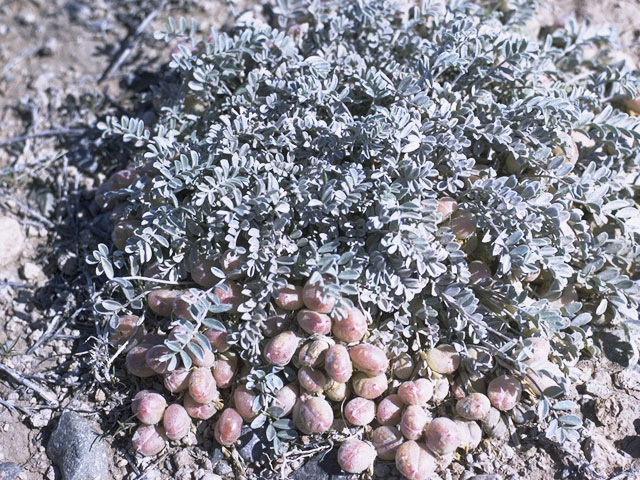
[[442, 436], [463, 224], [152, 270], [126, 328], [440, 390], [474, 406], [202, 275], [417, 392], [389, 410], [360, 411], [539, 383], [335, 391], [290, 298], [504, 392], [315, 299], [369, 359], [311, 379], [122, 232], [176, 422], [369, 387], [337, 363], [276, 323], [136, 362], [157, 358], [443, 359], [148, 440], [228, 427], [314, 322], [446, 207], [355, 456], [230, 293], [182, 304], [286, 398], [117, 181], [281, 348], [479, 271], [386, 440], [351, 328], [243, 400], [202, 385], [403, 366], [201, 411], [470, 434], [161, 301], [225, 369], [414, 419], [177, 381], [208, 359], [312, 354], [148, 407], [540, 349], [414, 461], [231, 264], [217, 339], [313, 415]]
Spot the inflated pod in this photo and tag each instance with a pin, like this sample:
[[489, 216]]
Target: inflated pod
[[157, 358], [504, 392], [224, 369], [202, 385], [369, 387], [162, 300], [231, 263], [414, 419], [389, 410], [360, 411], [281, 348], [311, 379], [474, 406], [443, 359], [289, 298], [217, 339], [314, 298], [148, 407], [136, 361], [176, 422], [337, 363], [369, 359], [243, 401], [442, 436], [446, 207], [202, 274], [122, 232], [415, 461], [314, 322], [201, 411], [403, 366], [177, 381], [350, 328], [126, 328], [148, 440], [229, 293], [335, 391], [386, 440], [228, 427], [416, 392], [355, 456], [313, 415], [312, 353], [286, 398]]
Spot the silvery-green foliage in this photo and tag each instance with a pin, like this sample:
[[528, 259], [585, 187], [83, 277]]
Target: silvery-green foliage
[[323, 146]]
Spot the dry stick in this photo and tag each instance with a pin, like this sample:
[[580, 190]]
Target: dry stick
[[38, 216], [43, 133], [129, 42], [50, 397], [53, 326]]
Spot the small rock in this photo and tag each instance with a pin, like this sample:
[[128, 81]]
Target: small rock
[[11, 240], [9, 471], [253, 445], [223, 468], [491, 476], [628, 379], [597, 389], [182, 458], [77, 449], [31, 272], [210, 476], [41, 418], [322, 466]]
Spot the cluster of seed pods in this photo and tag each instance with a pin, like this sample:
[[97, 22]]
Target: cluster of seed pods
[[340, 375]]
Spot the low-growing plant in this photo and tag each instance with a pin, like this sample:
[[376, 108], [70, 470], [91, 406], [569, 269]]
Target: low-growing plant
[[375, 196]]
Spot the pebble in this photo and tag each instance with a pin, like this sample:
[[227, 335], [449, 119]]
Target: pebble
[[210, 476], [41, 418], [253, 445], [77, 449], [491, 476], [31, 272], [597, 389], [11, 240], [223, 468], [9, 471], [322, 466]]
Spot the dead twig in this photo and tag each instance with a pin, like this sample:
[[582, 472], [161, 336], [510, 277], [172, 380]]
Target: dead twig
[[49, 397], [29, 211], [43, 133]]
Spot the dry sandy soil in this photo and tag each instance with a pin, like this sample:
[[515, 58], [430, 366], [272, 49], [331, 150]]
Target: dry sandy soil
[[58, 75]]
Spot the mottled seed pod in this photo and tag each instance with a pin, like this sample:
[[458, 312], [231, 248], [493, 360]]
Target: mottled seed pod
[[389, 410], [148, 407], [313, 415], [355, 456], [315, 299], [202, 385], [314, 322], [446, 207], [337, 363], [225, 369], [286, 398], [360, 411], [540, 349], [470, 434], [369, 387], [311, 379], [350, 328], [232, 262], [127, 327], [208, 359], [504, 392], [157, 358], [177, 381], [369, 359], [414, 419], [443, 359], [403, 366], [494, 425], [182, 304], [276, 323], [479, 271], [290, 298], [136, 361], [312, 354], [201, 411], [386, 440], [416, 392], [414, 461], [540, 383], [474, 406], [442, 436], [228, 427], [335, 391], [148, 440], [281, 348], [161, 301], [119, 180], [463, 224], [202, 274], [176, 422], [243, 401], [440, 390], [217, 339], [122, 232], [229, 293]]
